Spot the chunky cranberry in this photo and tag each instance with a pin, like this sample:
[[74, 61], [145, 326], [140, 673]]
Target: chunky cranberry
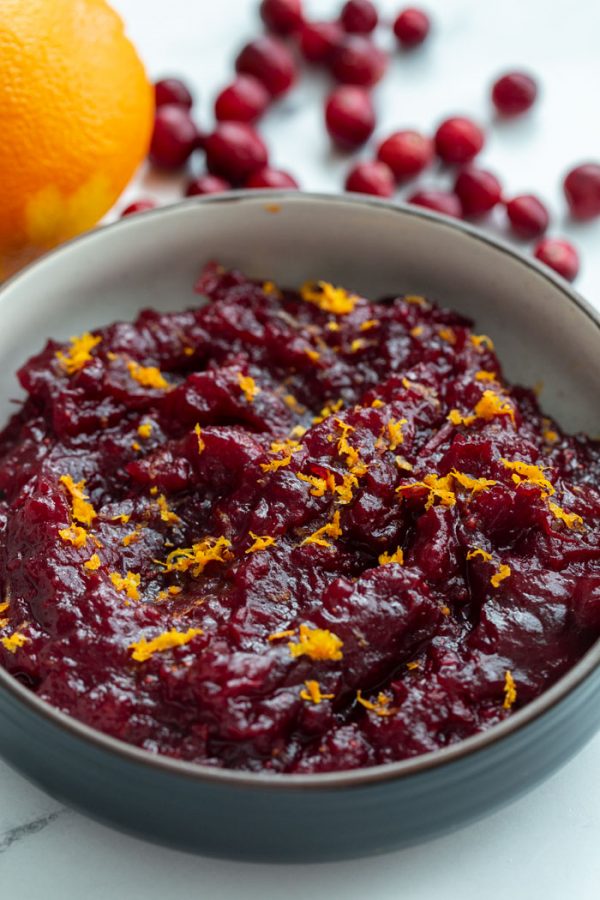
[[349, 116], [172, 91], [319, 40], [234, 151], [272, 178], [244, 100], [168, 439], [206, 184], [282, 16], [407, 153], [359, 61], [527, 215], [478, 191], [359, 16], [559, 255], [458, 140], [582, 190], [438, 201], [514, 93], [138, 206], [174, 137], [371, 178], [411, 27], [269, 60]]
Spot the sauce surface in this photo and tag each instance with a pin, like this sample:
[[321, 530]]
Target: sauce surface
[[291, 531]]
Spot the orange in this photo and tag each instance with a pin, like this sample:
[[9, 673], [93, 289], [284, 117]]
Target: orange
[[77, 111]]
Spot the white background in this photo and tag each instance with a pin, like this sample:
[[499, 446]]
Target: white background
[[545, 846]]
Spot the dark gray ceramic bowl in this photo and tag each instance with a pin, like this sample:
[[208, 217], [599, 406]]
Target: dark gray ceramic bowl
[[543, 331]]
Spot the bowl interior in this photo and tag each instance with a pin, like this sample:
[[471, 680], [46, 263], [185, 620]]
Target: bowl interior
[[541, 334]]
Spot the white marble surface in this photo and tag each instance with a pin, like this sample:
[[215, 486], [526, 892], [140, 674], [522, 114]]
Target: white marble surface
[[545, 846]]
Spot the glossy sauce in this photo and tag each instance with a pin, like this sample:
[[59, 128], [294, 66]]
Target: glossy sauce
[[291, 531]]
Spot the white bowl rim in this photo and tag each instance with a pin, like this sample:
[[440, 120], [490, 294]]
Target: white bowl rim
[[353, 778]]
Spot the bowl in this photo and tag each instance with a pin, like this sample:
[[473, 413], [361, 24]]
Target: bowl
[[543, 331]]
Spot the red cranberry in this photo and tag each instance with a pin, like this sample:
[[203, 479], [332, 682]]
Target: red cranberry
[[234, 151], [514, 93], [528, 216], [458, 140], [371, 178], [207, 184], [172, 90], [138, 206], [245, 100], [412, 27], [349, 116], [359, 61], [272, 178], [269, 60], [438, 201], [478, 191], [559, 255], [174, 137], [582, 190], [359, 16], [406, 153], [319, 40], [282, 16]]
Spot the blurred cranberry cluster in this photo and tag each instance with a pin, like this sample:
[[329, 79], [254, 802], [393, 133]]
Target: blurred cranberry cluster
[[268, 67]]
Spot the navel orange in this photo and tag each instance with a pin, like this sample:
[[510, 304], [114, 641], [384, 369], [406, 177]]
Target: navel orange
[[77, 113]]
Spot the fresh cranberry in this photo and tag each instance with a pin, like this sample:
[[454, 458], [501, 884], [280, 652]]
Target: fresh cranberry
[[559, 255], [406, 153], [207, 184], [438, 201], [582, 190], [282, 16], [174, 137], [359, 61], [269, 60], [411, 27], [371, 178], [319, 40], [244, 100], [234, 151], [359, 16], [514, 93], [138, 206], [458, 140], [349, 116], [528, 216], [478, 191], [272, 178], [172, 91]]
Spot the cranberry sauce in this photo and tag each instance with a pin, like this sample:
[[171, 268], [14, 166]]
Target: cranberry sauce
[[291, 531]]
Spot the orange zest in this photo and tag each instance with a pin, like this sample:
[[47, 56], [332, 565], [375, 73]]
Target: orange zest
[[317, 643]]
